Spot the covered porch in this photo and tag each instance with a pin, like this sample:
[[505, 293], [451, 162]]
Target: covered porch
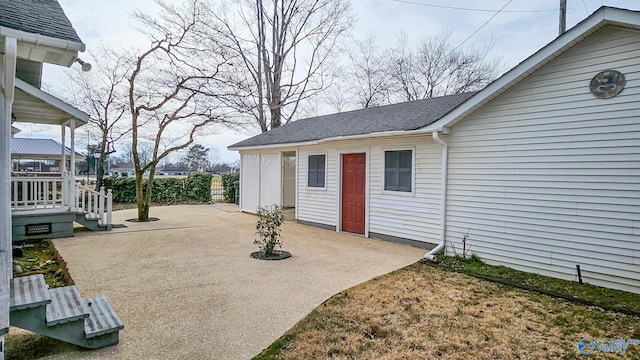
[[46, 204]]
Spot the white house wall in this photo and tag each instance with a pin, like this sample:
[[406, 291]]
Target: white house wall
[[249, 182], [412, 216], [318, 205], [548, 176], [416, 215], [271, 179], [260, 179]]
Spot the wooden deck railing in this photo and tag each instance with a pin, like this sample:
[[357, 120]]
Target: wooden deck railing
[[95, 204], [47, 193], [34, 193]]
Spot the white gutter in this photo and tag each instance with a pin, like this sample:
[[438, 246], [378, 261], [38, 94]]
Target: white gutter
[[38, 39], [443, 197], [444, 130]]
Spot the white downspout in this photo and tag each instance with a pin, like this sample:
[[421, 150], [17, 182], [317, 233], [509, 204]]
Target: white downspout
[[443, 197]]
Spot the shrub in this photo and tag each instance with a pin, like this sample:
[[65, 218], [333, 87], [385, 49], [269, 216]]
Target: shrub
[[229, 189], [196, 188], [268, 229]]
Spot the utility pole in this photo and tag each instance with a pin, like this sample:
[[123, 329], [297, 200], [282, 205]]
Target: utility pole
[[562, 26]]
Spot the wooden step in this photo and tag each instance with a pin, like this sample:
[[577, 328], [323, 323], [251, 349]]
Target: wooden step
[[102, 320], [28, 292], [66, 305]]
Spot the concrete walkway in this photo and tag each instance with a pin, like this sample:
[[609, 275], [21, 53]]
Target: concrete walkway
[[186, 288]]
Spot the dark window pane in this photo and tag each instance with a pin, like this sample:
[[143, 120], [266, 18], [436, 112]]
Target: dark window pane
[[397, 170], [316, 171], [390, 180], [405, 159], [404, 183]]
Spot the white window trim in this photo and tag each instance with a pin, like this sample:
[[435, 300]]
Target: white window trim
[[413, 171], [326, 167]]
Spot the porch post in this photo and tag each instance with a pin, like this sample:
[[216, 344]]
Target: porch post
[[63, 162], [72, 165], [8, 66], [71, 185]]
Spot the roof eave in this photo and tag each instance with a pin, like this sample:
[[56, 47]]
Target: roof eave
[[270, 146], [421, 131], [44, 48], [604, 16], [53, 101]]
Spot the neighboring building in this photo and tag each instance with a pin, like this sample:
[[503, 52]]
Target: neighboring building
[[540, 167], [39, 155]]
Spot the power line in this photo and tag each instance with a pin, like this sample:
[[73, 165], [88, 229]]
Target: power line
[[473, 9], [585, 7], [483, 25]]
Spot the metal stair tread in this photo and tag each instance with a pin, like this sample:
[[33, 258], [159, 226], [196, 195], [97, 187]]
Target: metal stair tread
[[66, 305], [28, 292], [102, 320]]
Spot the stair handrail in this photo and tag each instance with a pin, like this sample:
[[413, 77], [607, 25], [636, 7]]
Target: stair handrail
[[98, 204]]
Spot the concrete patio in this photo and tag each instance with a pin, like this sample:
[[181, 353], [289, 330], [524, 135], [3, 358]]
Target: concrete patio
[[185, 286]]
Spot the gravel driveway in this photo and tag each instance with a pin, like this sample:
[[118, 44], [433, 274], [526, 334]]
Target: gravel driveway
[[185, 286]]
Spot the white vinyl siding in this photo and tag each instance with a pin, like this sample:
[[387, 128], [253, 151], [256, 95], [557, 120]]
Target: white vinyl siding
[[260, 179], [317, 205], [414, 216], [249, 182], [271, 180], [547, 176]]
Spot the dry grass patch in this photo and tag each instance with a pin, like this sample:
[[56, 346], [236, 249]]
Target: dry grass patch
[[422, 312]]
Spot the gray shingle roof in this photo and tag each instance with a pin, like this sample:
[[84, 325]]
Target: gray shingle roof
[[44, 17], [396, 117], [23, 147]]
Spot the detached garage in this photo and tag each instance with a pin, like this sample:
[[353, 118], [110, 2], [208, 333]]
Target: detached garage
[[541, 167]]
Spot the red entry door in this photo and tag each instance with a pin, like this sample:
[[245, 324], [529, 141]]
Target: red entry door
[[353, 188]]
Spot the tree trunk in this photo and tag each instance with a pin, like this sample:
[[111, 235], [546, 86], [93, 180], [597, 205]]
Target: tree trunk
[[143, 207], [101, 160], [276, 116], [143, 193]]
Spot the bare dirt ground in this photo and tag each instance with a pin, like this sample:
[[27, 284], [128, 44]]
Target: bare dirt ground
[[425, 313]]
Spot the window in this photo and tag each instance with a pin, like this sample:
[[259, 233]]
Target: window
[[397, 170], [316, 171]]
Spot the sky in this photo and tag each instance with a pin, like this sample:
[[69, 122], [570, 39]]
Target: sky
[[522, 28]]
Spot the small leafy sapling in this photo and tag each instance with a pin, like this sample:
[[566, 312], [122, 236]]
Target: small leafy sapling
[[268, 229]]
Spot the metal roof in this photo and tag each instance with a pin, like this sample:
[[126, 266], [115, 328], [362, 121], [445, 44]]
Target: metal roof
[[27, 148], [405, 116], [44, 17]]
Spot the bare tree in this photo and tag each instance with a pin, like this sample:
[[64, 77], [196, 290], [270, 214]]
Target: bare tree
[[338, 97], [286, 51], [438, 68], [369, 76], [214, 157], [101, 94], [170, 88], [402, 71]]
